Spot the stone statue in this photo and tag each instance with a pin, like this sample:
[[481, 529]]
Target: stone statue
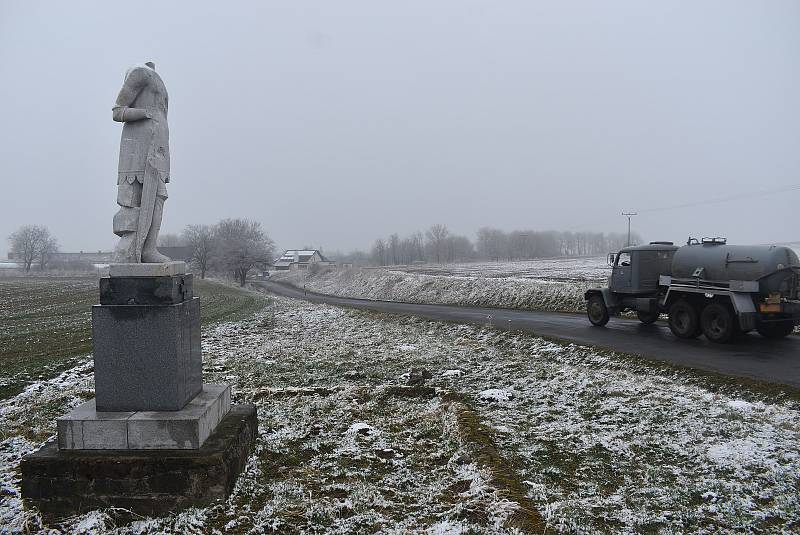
[[143, 164]]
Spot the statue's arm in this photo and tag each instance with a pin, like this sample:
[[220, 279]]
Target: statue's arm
[[122, 112]]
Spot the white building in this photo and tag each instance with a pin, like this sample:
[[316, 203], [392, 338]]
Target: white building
[[295, 259]]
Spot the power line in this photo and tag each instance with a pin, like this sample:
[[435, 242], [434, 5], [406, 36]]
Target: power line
[[739, 196], [720, 200]]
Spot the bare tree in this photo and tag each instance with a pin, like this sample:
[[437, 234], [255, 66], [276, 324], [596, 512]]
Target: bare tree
[[31, 243], [436, 236], [394, 248], [202, 241], [418, 239], [491, 243], [379, 252], [458, 249], [47, 247], [243, 245]]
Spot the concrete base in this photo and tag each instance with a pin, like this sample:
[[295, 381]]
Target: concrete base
[[62, 483], [165, 269], [86, 429]]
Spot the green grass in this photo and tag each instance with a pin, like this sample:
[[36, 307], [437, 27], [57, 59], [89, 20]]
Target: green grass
[[45, 322], [220, 302]]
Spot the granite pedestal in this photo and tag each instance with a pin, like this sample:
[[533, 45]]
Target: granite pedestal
[[154, 439], [147, 357]]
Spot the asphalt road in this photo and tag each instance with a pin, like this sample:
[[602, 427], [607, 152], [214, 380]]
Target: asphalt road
[[773, 361]]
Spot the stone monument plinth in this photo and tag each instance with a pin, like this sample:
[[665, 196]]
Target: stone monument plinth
[[155, 438], [146, 333]]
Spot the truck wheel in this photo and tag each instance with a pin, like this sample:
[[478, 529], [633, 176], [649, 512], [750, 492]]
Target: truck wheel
[[647, 317], [775, 330], [596, 310], [683, 320], [718, 323]]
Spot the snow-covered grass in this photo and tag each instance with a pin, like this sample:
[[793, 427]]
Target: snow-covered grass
[[552, 284], [565, 269], [591, 441]]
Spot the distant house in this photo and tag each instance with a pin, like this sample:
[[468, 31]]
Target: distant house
[[295, 259]]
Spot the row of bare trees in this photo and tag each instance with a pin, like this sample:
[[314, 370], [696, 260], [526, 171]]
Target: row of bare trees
[[496, 244], [233, 246], [438, 245], [33, 245]]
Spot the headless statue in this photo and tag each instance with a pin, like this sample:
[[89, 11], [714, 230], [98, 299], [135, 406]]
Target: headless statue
[[143, 165]]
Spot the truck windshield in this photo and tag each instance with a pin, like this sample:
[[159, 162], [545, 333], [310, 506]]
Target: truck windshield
[[623, 259]]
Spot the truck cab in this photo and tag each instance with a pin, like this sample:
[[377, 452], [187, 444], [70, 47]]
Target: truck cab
[[636, 270]]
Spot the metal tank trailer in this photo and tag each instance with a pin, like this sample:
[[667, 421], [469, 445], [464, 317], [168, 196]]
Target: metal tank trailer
[[706, 287]]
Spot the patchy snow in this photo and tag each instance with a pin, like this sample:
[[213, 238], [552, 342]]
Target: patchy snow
[[590, 268], [495, 394], [555, 284], [740, 405], [446, 528], [602, 442], [452, 373]]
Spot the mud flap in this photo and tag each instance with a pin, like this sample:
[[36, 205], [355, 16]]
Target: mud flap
[[745, 310]]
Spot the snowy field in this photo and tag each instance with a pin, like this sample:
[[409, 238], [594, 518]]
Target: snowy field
[[583, 269], [548, 284], [508, 433]]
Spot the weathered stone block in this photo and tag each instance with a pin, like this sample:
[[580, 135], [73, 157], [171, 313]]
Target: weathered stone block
[[146, 357], [146, 290], [84, 428], [163, 269], [186, 428], [146, 482]]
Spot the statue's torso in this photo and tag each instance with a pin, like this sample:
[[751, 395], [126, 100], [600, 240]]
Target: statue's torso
[[146, 140]]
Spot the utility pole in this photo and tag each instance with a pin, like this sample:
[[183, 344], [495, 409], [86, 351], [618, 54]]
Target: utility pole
[[629, 215]]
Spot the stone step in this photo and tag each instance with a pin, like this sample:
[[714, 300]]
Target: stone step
[[87, 429]]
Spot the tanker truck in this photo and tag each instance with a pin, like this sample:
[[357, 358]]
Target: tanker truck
[[705, 287]]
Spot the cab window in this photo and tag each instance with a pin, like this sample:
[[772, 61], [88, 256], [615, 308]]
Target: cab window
[[623, 259]]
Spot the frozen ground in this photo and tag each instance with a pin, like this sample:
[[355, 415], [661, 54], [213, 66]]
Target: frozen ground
[[582, 269], [514, 429], [549, 284]]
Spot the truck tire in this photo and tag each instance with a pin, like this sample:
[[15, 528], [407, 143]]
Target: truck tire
[[683, 320], [647, 318], [718, 323], [596, 310], [775, 330]]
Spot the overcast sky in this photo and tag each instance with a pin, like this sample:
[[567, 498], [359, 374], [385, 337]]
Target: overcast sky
[[334, 123]]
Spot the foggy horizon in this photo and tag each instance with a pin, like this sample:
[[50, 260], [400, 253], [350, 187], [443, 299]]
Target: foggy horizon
[[334, 125]]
